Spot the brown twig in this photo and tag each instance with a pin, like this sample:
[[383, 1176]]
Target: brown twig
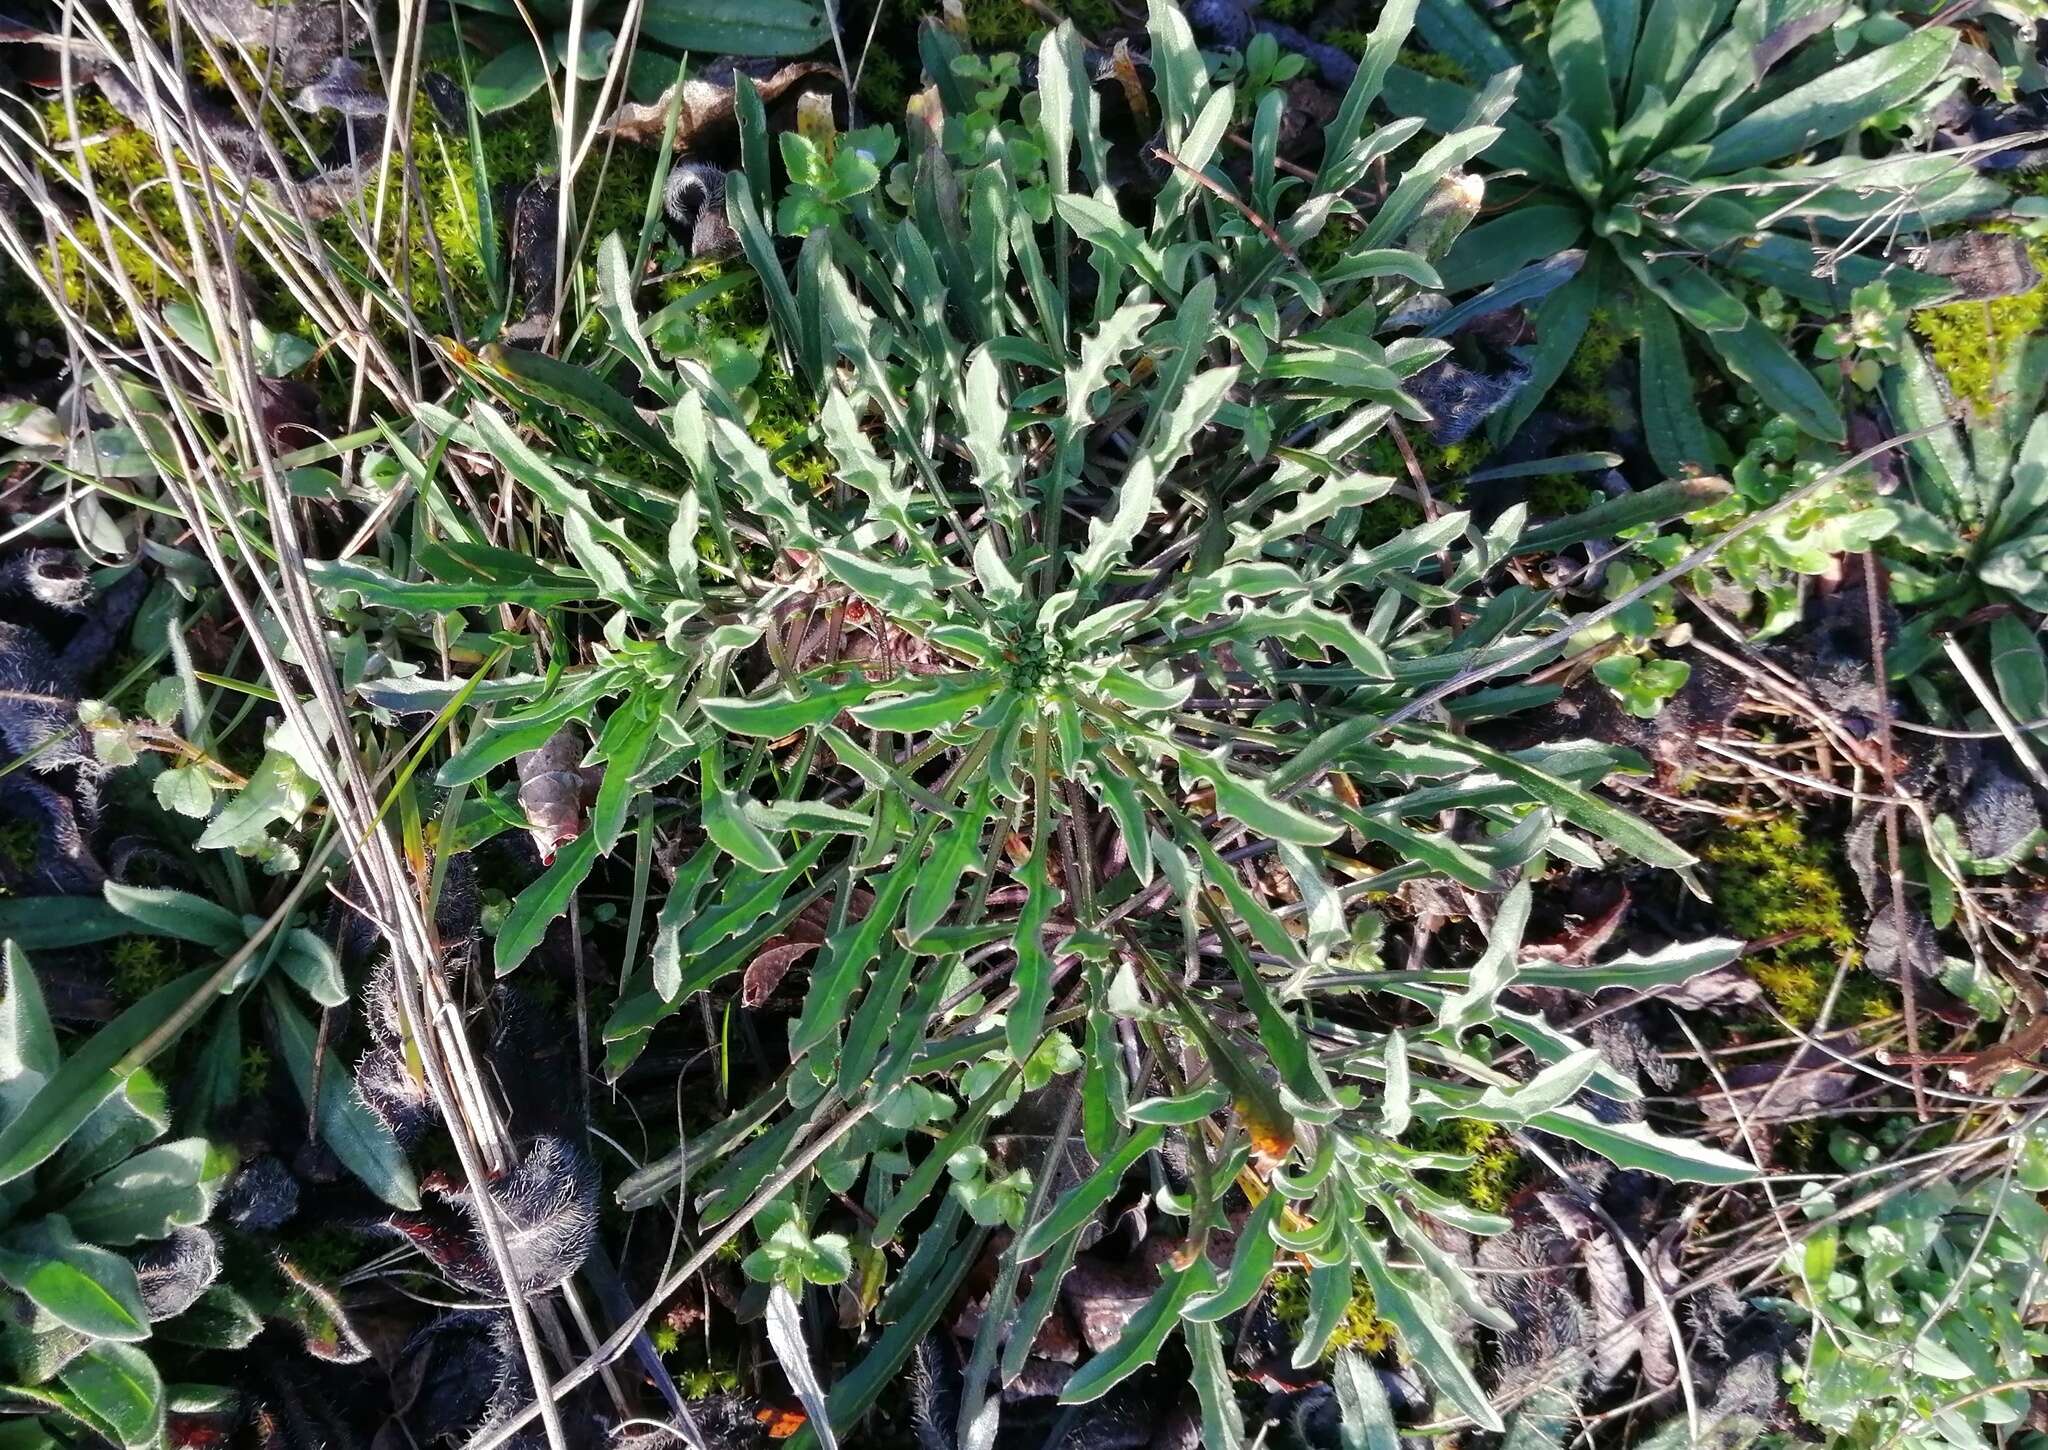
[[1266, 228], [1873, 585]]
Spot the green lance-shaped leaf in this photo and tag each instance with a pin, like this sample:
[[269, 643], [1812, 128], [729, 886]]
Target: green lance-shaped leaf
[[546, 898], [1831, 104], [1755, 354], [1249, 1266], [1659, 503], [1340, 138], [28, 1043], [912, 592], [1329, 1299], [726, 822], [178, 914], [1582, 808], [836, 979], [87, 1079], [1495, 968], [785, 711], [1366, 1420], [356, 1135], [1637, 1145], [1100, 351], [1422, 1334], [1033, 975], [1251, 804], [736, 27], [1266, 1121]]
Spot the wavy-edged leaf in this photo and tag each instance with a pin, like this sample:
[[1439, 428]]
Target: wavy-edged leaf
[[1079, 1203], [1581, 807], [1138, 1346], [837, 977], [1252, 805], [544, 899], [1422, 1334], [932, 702]]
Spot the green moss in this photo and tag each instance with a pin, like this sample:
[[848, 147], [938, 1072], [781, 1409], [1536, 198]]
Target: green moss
[[141, 964], [1444, 468], [1422, 62], [1557, 494], [18, 840], [1361, 1328], [1582, 392], [1971, 341], [1771, 880], [255, 1072], [884, 85], [991, 25], [324, 1255], [128, 174], [702, 1384], [1289, 12]]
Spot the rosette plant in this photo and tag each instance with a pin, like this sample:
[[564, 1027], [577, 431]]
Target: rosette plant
[[1696, 150], [1977, 482], [1064, 719], [99, 1237]]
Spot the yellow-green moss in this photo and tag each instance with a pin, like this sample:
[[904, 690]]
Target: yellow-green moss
[[1361, 1329], [994, 25], [1582, 392], [1422, 62], [1444, 467], [783, 420], [1498, 1170], [1598, 351], [1770, 879], [127, 174], [1971, 341], [518, 144], [1554, 495]]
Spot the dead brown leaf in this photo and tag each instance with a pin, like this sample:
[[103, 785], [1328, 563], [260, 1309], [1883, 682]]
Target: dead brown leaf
[[706, 104]]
